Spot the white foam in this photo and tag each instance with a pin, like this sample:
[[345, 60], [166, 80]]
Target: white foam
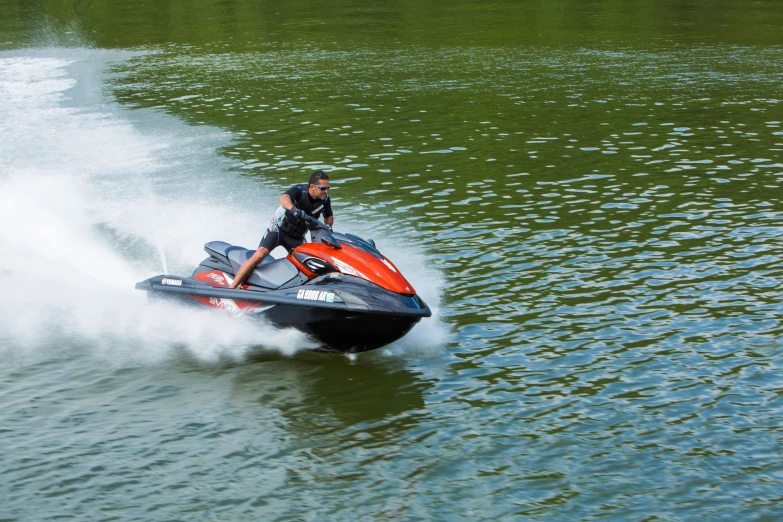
[[94, 198], [429, 336], [91, 203]]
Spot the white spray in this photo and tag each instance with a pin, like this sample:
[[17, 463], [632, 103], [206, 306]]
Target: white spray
[[88, 198], [94, 198]]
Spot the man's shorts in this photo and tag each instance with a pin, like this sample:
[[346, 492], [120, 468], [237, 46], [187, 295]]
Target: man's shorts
[[275, 238]]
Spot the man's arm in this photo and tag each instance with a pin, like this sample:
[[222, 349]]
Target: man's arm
[[328, 214], [285, 201]]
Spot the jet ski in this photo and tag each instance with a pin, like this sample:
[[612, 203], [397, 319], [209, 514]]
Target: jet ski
[[338, 288]]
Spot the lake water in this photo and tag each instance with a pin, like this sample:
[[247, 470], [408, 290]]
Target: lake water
[[588, 194]]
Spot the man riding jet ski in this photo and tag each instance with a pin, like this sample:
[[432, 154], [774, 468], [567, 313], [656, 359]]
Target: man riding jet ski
[[339, 289], [288, 227]]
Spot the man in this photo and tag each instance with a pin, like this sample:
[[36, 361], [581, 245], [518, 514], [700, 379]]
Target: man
[[288, 227]]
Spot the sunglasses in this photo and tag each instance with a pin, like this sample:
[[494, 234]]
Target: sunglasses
[[326, 187]]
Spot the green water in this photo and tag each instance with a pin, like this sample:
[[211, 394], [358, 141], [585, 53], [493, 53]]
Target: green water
[[587, 192]]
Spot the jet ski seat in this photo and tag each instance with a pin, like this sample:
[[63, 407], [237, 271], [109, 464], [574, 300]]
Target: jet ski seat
[[271, 273]]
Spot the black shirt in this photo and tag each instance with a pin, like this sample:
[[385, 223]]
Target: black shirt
[[313, 207]]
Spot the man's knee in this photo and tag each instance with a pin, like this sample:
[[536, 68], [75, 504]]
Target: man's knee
[[259, 255]]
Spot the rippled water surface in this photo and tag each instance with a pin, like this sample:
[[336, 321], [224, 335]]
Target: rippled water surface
[[589, 197]]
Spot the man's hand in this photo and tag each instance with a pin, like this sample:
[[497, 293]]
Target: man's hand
[[298, 213]]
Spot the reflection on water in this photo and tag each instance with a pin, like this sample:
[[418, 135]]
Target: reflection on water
[[252, 431], [347, 393]]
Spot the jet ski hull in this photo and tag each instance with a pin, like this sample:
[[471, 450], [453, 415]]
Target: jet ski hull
[[345, 332], [344, 313]]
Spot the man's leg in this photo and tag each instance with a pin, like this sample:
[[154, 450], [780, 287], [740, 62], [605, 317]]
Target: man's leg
[[271, 240], [268, 243], [249, 265]]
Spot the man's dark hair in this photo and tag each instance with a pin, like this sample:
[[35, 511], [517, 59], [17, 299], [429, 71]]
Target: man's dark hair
[[315, 176]]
